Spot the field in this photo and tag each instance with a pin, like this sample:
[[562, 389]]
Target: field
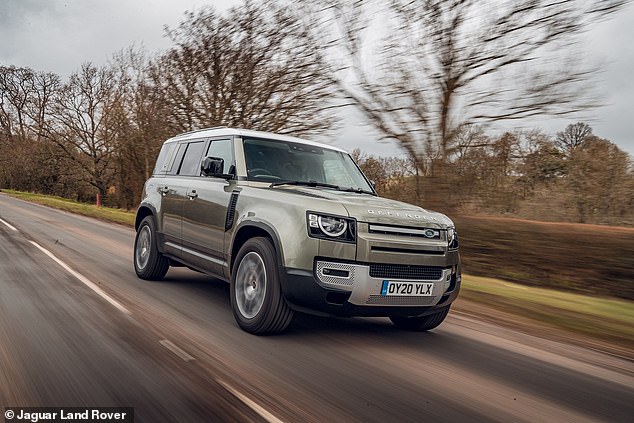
[[586, 259]]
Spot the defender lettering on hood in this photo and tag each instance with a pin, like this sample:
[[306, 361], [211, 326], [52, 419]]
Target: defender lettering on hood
[[398, 214]]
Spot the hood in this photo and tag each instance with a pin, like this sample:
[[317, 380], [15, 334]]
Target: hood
[[371, 209]]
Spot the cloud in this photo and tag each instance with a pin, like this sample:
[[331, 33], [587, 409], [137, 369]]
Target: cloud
[[60, 35], [607, 46], [18, 20]]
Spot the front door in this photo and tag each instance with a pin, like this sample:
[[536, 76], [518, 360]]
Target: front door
[[204, 214]]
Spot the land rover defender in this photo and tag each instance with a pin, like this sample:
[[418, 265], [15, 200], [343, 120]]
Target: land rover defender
[[293, 225]]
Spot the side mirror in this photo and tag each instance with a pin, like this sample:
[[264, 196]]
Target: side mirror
[[213, 166]]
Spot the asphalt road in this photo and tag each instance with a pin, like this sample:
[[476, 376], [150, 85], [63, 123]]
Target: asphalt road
[[80, 329]]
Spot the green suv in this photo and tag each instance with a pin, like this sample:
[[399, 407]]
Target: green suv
[[293, 225]]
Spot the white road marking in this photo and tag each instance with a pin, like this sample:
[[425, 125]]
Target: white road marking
[[8, 225], [83, 279], [176, 350], [249, 402]]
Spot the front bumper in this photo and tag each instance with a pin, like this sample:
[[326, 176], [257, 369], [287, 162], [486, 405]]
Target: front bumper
[[354, 289]]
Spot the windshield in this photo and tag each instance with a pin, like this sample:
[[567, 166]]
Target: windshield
[[282, 161]]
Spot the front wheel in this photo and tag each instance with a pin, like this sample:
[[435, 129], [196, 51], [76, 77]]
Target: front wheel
[[149, 263], [256, 295], [420, 324]]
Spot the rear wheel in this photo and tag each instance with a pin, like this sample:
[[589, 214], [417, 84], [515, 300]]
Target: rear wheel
[[420, 324], [149, 263], [256, 295]]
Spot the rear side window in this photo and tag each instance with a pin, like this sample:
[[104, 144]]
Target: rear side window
[[165, 159], [178, 158], [192, 159]]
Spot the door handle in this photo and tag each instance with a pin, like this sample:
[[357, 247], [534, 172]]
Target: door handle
[[192, 194], [164, 190]]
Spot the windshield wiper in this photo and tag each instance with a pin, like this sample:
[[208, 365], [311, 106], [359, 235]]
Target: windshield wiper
[[305, 183], [320, 184], [357, 190]]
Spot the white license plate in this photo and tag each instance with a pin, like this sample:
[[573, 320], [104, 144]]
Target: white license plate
[[406, 289]]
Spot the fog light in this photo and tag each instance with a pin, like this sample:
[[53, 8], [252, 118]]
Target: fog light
[[335, 272]]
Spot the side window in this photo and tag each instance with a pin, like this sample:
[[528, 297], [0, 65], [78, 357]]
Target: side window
[[178, 159], [222, 150], [192, 159], [164, 159]]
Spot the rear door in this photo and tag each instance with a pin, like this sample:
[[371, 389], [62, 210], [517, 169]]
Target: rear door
[[173, 189]]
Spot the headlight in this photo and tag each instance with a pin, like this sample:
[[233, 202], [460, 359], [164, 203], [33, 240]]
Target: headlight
[[332, 226], [335, 228], [452, 238]]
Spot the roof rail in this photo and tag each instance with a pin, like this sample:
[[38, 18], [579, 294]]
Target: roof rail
[[200, 130]]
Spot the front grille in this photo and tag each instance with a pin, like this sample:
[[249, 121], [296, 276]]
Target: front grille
[[400, 301], [404, 271], [407, 251], [426, 233]]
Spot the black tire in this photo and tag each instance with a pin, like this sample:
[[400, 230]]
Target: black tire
[[257, 300], [420, 324], [149, 263]]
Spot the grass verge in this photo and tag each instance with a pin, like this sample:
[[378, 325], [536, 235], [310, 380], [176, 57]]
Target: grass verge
[[123, 217], [605, 319]]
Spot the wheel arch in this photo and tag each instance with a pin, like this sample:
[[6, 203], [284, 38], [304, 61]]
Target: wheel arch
[[248, 230], [144, 211]]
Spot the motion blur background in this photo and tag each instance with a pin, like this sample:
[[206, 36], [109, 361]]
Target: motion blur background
[[512, 117]]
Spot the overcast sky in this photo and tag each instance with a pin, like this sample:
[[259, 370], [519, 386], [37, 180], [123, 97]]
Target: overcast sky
[[59, 35]]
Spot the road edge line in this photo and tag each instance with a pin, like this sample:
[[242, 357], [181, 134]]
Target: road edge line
[[176, 350], [8, 225], [265, 414], [82, 279]]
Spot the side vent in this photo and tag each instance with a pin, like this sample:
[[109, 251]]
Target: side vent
[[231, 210]]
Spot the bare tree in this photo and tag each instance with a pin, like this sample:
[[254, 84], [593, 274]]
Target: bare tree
[[84, 114], [443, 63], [598, 181], [257, 67], [542, 162], [467, 138], [25, 101], [142, 127], [16, 88], [25, 105], [573, 136], [46, 86]]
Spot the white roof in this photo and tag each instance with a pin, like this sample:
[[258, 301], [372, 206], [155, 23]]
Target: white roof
[[224, 131]]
